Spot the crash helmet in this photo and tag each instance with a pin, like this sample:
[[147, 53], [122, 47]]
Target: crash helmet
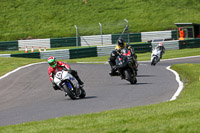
[[180, 29], [121, 42], [160, 44], [52, 61]]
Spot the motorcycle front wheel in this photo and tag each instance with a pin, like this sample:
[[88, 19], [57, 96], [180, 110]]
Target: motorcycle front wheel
[[69, 91], [130, 77], [154, 61]]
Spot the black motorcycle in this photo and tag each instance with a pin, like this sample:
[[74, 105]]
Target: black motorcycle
[[125, 66]]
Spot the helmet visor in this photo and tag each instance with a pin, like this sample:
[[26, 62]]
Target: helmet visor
[[53, 64], [121, 44]]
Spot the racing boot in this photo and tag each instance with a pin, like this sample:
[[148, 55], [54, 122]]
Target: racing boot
[[113, 72], [113, 69], [75, 74], [79, 81]]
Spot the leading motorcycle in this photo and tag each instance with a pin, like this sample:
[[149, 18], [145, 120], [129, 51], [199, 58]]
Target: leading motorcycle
[[125, 66], [68, 83]]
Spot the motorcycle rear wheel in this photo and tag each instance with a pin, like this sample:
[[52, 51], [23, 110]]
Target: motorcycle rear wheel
[[83, 93], [69, 92]]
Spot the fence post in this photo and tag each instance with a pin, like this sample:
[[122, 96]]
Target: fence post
[[101, 33], [76, 35], [127, 27]]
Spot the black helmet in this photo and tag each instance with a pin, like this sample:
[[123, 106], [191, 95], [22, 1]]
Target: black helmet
[[121, 42]]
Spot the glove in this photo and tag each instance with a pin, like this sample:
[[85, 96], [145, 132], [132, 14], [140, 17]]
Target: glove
[[118, 50]]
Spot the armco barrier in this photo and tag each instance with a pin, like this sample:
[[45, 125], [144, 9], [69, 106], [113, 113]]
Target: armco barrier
[[5, 55], [105, 50], [83, 52], [64, 42], [58, 54], [134, 37], [189, 43], [169, 45], [141, 48], [36, 43], [174, 34], [146, 36], [27, 55], [9, 46]]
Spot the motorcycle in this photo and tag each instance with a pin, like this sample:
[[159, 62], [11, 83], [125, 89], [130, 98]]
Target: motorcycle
[[125, 66], [155, 56], [68, 83]]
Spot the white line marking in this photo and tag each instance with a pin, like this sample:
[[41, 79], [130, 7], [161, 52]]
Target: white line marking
[[180, 88], [19, 69]]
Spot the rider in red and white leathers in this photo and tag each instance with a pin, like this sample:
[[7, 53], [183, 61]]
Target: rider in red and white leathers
[[59, 65]]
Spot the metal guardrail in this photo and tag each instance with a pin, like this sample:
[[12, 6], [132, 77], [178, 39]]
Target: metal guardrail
[[58, 54], [5, 55], [169, 45], [105, 50]]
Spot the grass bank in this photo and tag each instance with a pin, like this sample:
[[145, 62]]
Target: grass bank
[[181, 115], [56, 18]]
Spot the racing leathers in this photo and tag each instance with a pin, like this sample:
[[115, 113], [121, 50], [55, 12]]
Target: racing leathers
[[114, 55], [62, 66]]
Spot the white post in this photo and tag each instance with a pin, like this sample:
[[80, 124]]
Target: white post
[[76, 35], [101, 33]]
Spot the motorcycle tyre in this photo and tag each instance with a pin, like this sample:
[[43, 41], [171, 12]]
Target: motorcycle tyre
[[128, 77], [69, 92], [154, 61], [83, 93]]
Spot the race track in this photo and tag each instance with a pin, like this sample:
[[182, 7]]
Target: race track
[[27, 95]]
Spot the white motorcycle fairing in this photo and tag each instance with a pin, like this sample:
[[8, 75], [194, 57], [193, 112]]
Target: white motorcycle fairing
[[65, 75], [155, 56]]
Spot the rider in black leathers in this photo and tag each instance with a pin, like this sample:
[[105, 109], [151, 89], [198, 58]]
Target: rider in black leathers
[[115, 53]]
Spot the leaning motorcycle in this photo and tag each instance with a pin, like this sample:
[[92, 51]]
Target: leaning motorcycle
[[124, 65], [155, 56], [68, 83]]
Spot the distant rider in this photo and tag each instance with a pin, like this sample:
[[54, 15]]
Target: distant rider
[[55, 66], [116, 52], [161, 47]]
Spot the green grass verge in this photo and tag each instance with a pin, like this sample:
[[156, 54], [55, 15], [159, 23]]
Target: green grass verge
[[56, 18], [8, 64], [179, 116]]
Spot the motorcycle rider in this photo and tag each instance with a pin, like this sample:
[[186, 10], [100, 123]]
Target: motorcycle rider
[[55, 66], [116, 52], [161, 47]]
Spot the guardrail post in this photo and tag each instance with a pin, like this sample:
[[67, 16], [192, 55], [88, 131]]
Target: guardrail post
[[127, 28], [101, 33], [76, 35]]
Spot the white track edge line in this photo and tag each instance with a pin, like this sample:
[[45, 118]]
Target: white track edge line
[[181, 86], [5, 75]]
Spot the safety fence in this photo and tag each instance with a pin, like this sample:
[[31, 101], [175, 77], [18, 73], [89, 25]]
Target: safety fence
[[94, 40], [106, 50]]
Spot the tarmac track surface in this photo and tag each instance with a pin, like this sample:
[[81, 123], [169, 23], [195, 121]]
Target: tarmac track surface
[[27, 95]]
